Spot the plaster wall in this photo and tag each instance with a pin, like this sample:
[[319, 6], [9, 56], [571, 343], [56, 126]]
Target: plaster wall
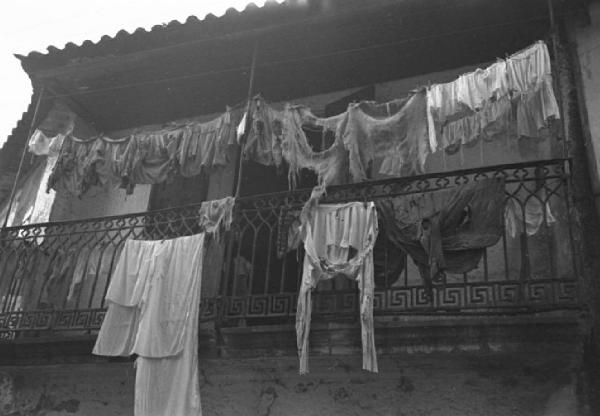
[[588, 54], [420, 384]]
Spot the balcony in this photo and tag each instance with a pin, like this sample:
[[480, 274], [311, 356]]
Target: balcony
[[54, 276]]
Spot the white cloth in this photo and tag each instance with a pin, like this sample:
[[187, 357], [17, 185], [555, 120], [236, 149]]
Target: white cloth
[[153, 312], [525, 78], [216, 215], [32, 204], [534, 214], [339, 240]]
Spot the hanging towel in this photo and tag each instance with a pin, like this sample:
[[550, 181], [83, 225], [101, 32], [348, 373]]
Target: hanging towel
[[153, 312], [338, 240]]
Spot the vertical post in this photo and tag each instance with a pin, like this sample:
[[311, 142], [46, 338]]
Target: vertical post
[[560, 98], [240, 166], [20, 168]]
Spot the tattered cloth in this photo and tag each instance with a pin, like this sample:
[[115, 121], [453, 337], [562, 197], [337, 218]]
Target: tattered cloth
[[143, 158], [338, 240], [512, 94], [446, 231], [395, 133], [153, 310], [216, 216]]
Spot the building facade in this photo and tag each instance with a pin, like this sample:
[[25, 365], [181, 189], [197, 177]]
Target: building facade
[[513, 334]]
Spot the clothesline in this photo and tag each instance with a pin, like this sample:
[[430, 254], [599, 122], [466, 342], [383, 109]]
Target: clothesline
[[515, 93]]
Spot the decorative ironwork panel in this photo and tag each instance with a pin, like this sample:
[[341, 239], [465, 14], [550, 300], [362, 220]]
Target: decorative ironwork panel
[[54, 276]]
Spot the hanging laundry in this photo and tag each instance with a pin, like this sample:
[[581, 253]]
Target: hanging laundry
[[475, 89], [447, 230], [206, 144], [330, 165], [495, 118], [338, 240], [467, 94], [528, 69], [32, 205], [153, 305], [143, 158], [40, 144], [389, 260], [536, 213], [288, 231], [535, 108], [524, 80], [395, 132], [24, 200], [216, 215], [264, 140]]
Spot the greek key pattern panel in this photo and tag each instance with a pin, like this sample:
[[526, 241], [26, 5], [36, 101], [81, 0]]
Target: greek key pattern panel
[[209, 309], [80, 319], [493, 295], [41, 320]]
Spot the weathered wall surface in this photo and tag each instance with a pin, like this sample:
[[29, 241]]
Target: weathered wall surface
[[100, 203], [582, 89], [407, 385], [588, 54]]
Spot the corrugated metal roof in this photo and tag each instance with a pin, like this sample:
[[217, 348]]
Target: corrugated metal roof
[[193, 29]]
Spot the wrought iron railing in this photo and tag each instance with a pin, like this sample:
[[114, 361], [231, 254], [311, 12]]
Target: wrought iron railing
[[54, 276], [530, 270]]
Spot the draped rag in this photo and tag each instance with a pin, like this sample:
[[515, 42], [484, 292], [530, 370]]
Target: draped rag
[[153, 305], [331, 164], [339, 240], [393, 132], [32, 204], [447, 230], [216, 215], [144, 157]]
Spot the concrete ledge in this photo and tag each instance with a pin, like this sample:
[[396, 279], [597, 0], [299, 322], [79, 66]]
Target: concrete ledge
[[410, 334], [398, 334]]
